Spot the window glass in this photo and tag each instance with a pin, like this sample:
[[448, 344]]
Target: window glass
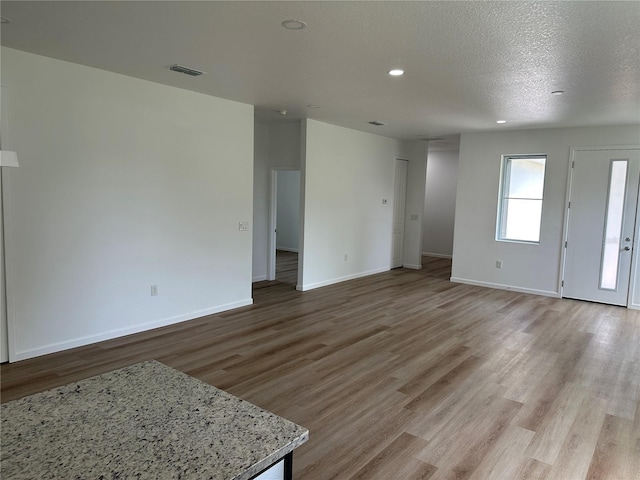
[[613, 227], [521, 195]]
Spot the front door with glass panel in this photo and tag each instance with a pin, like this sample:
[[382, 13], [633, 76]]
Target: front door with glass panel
[[601, 225]]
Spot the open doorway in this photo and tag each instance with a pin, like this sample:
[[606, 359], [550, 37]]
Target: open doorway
[[285, 226], [440, 198]]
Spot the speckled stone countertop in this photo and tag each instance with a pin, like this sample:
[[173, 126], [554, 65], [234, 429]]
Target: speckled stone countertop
[[146, 421]]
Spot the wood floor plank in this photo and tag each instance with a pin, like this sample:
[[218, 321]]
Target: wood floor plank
[[580, 442], [624, 396], [432, 395], [530, 469], [615, 456], [401, 453], [454, 411], [405, 375], [521, 381], [423, 378], [548, 441], [549, 386], [462, 445], [500, 461]]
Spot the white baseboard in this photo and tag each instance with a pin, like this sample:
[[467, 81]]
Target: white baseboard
[[311, 286], [411, 266], [287, 249], [533, 291], [121, 332], [259, 278], [437, 255]]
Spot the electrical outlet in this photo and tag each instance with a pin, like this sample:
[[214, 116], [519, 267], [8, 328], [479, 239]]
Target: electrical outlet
[[154, 290], [346, 257], [384, 201], [498, 263]]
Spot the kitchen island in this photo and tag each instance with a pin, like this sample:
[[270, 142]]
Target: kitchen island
[[144, 421]]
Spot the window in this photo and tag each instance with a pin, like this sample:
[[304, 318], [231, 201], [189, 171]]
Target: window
[[520, 203]]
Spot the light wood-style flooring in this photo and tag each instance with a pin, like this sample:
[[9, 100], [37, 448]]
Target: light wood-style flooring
[[404, 375]]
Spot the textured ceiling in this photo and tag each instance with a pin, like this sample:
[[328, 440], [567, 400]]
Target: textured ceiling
[[467, 64]]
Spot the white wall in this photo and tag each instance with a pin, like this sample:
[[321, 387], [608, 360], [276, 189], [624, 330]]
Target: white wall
[[261, 185], [346, 175], [526, 267], [284, 145], [288, 210], [440, 203], [123, 184]]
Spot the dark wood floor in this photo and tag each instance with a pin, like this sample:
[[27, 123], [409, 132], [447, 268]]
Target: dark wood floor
[[404, 375], [287, 267], [286, 271]]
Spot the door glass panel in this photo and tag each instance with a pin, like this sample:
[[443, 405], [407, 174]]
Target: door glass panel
[[613, 225]]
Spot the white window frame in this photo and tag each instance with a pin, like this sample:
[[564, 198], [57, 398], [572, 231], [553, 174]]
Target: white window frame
[[501, 216]]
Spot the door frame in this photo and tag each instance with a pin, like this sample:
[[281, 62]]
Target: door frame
[[635, 261], [7, 280]]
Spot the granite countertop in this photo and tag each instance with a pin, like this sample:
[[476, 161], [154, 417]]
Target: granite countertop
[[144, 421]]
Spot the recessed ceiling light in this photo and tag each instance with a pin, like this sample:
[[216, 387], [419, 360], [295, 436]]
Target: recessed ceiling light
[[311, 105], [396, 72], [294, 24], [501, 121], [281, 112], [557, 92]]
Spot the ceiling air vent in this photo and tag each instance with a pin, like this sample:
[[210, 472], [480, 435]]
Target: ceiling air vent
[[186, 70], [377, 123]]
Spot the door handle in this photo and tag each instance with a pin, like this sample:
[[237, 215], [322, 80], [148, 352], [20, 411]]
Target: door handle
[[626, 249]]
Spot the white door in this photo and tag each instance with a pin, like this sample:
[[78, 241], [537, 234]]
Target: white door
[[601, 225], [399, 203]]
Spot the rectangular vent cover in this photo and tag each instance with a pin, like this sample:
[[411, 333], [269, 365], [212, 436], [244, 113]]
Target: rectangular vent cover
[[186, 70]]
